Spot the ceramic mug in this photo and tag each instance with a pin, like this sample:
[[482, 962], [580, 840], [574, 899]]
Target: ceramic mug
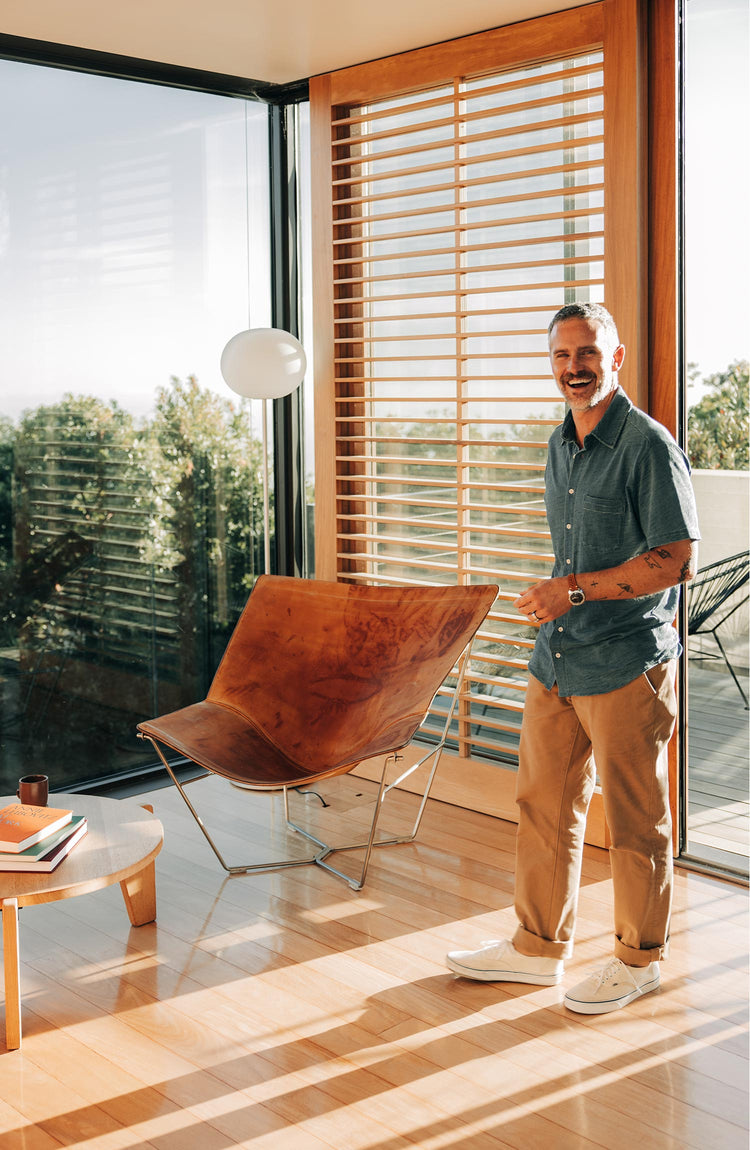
[[33, 790]]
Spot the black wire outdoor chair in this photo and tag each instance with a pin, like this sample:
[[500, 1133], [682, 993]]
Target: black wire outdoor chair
[[713, 597]]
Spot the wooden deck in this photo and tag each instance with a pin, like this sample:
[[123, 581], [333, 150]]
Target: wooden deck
[[718, 770], [283, 1010]]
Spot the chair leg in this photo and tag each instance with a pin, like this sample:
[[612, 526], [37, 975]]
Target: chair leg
[[731, 669], [245, 869], [367, 845], [384, 787]]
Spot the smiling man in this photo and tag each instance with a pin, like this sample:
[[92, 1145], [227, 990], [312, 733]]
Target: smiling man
[[601, 697]]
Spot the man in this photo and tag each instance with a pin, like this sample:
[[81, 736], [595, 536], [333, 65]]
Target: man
[[601, 691]]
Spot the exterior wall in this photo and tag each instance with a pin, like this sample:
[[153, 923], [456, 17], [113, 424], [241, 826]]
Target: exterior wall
[[723, 499]]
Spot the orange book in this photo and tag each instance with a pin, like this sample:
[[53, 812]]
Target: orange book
[[21, 826]]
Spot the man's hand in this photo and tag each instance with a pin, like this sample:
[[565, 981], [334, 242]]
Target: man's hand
[[544, 601]]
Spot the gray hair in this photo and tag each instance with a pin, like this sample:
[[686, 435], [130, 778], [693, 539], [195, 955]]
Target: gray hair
[[593, 312]]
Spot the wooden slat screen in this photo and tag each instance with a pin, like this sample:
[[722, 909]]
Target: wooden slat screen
[[463, 215]]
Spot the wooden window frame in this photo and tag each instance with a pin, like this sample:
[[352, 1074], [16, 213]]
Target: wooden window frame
[[639, 42]]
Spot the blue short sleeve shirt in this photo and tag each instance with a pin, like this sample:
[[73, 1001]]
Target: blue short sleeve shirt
[[626, 491]]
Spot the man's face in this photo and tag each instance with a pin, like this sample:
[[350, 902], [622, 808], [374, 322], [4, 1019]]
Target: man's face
[[585, 362]]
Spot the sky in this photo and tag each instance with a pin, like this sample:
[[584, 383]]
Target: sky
[[133, 235], [717, 179]]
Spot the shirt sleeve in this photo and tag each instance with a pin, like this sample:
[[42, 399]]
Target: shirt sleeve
[[664, 492]]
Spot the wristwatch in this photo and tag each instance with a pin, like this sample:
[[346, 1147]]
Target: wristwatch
[[575, 594]]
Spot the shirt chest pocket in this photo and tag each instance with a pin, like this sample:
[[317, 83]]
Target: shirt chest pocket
[[603, 526]]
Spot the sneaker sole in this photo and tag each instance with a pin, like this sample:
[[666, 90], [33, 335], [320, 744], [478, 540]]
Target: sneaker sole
[[583, 1007], [504, 975]]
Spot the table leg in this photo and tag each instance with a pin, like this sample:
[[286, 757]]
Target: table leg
[[139, 892], [11, 965]]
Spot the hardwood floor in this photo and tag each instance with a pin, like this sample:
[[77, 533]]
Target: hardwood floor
[[284, 1010], [718, 776]]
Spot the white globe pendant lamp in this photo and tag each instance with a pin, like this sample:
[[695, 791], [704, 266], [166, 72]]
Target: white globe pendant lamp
[[263, 363]]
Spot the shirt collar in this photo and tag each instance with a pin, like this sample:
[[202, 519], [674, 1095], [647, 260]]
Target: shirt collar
[[608, 429]]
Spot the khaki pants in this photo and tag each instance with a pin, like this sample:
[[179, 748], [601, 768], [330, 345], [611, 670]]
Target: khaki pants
[[627, 730]]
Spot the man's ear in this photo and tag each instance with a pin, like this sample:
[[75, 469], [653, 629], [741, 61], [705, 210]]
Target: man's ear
[[617, 357]]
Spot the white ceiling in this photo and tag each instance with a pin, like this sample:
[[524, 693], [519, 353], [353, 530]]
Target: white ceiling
[[275, 41]]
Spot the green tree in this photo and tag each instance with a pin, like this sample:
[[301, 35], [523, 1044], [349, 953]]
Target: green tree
[[7, 436], [207, 514], [718, 425], [71, 458]]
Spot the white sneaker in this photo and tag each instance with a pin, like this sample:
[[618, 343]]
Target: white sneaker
[[499, 961], [612, 987]]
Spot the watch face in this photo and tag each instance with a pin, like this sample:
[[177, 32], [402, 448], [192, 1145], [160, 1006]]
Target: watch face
[[576, 597]]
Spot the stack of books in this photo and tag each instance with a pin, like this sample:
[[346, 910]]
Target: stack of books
[[37, 838]]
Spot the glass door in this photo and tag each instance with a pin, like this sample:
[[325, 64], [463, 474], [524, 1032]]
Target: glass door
[[716, 173]]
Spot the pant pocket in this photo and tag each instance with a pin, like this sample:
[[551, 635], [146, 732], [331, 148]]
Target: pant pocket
[[659, 683]]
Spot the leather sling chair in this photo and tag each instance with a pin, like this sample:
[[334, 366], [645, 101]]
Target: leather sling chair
[[317, 677]]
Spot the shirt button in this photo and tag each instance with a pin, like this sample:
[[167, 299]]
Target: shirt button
[[567, 560], [560, 628], [568, 525], [571, 490], [557, 655]]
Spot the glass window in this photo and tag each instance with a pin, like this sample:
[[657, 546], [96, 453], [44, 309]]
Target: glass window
[[717, 297], [134, 238], [307, 333]]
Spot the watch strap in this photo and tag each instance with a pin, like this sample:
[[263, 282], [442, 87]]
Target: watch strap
[[575, 593]]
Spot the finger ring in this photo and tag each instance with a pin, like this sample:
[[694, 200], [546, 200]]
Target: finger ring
[[534, 616]]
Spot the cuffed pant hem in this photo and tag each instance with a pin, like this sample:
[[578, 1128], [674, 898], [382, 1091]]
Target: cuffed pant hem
[[531, 944], [632, 956]]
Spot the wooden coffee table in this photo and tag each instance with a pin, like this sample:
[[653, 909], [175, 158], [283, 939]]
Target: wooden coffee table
[[120, 845]]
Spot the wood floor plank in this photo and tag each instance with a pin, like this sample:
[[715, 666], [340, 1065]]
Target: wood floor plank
[[17, 1133], [717, 768]]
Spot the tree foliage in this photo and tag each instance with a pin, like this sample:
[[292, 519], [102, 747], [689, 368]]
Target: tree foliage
[[206, 473], [718, 425], [168, 511], [7, 435]]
